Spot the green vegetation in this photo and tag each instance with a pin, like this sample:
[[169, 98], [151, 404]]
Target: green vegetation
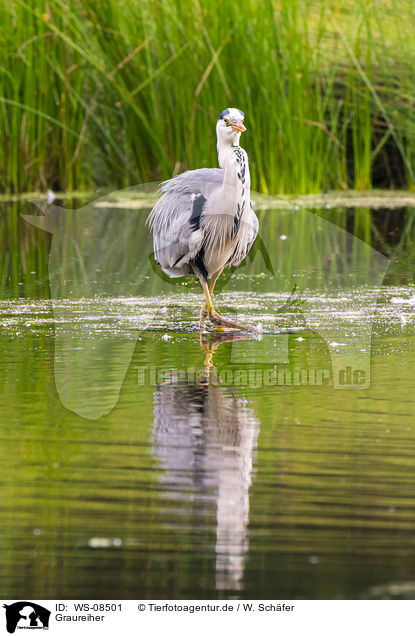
[[119, 92]]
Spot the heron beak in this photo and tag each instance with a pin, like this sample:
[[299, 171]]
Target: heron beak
[[238, 126]]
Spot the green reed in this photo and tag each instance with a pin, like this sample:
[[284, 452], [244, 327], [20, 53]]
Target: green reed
[[117, 93]]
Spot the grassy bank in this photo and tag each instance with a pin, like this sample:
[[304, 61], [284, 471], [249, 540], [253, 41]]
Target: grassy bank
[[123, 91]]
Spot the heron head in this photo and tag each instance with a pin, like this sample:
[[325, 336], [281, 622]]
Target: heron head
[[230, 124]]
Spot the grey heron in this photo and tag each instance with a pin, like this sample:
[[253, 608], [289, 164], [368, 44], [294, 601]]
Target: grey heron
[[204, 220]]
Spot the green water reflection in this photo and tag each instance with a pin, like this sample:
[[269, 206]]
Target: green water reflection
[[203, 479]]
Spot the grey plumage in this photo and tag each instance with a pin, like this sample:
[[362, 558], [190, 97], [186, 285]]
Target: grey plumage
[[174, 237], [204, 219], [203, 180], [176, 241]]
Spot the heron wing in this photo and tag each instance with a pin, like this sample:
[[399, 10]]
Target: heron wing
[[175, 219], [202, 181]]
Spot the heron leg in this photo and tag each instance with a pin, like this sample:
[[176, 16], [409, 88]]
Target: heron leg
[[213, 280], [214, 316], [204, 312]]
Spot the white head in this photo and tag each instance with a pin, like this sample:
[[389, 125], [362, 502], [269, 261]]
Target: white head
[[230, 126]]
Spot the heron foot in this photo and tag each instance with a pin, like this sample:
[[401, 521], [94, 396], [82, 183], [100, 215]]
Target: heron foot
[[219, 320]]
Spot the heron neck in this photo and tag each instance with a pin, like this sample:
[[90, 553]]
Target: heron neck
[[230, 157]]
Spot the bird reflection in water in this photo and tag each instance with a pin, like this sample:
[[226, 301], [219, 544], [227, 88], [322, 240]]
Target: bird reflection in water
[[205, 437]]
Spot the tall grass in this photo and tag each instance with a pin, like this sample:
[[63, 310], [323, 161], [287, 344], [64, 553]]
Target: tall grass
[[118, 92]]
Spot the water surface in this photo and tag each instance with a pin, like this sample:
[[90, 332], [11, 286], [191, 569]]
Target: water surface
[[140, 459]]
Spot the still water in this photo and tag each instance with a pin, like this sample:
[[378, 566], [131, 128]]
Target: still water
[[140, 459]]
